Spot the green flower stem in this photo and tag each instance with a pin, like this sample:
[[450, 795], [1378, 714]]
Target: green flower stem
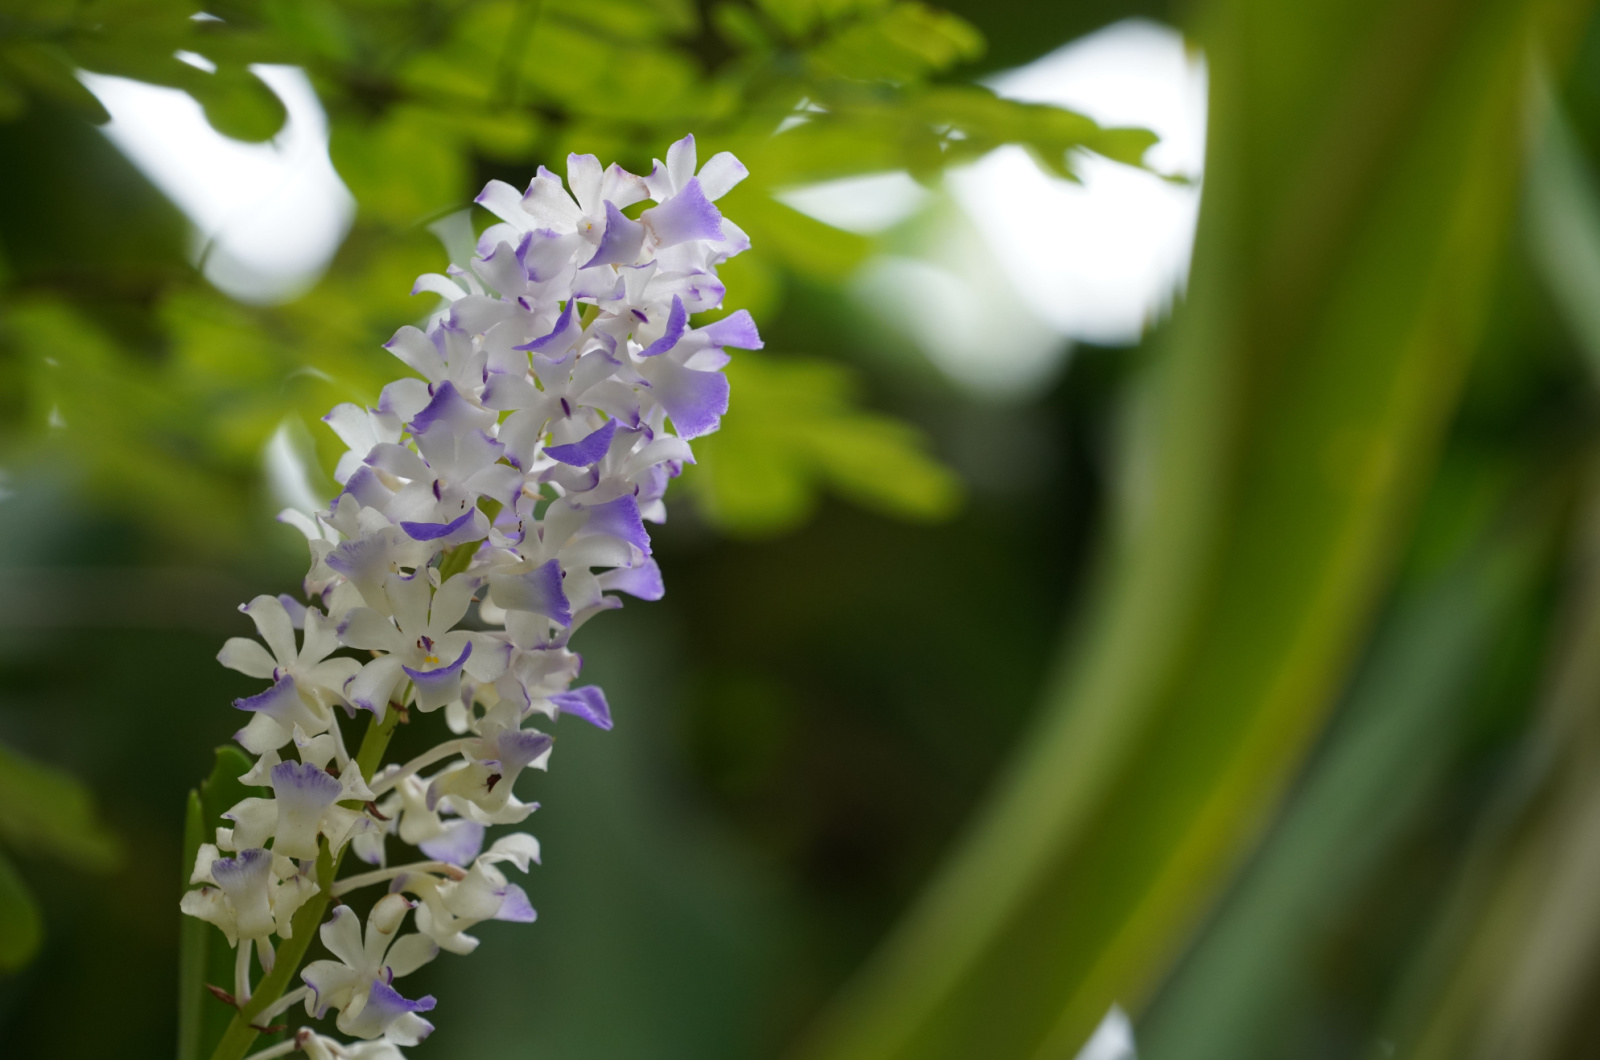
[[193, 941], [241, 1032]]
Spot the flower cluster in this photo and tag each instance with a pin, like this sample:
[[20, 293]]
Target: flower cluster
[[507, 487]]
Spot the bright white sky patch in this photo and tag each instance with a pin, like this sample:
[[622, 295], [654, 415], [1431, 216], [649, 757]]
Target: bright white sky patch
[[1112, 1040], [867, 205], [1098, 261], [269, 216], [1053, 260]]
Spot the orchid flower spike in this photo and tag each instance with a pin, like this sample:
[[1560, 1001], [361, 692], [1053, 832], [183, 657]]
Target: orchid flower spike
[[495, 499]]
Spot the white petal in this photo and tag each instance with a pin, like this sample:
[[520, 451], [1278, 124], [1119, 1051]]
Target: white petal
[[275, 626], [504, 201], [342, 935], [583, 177], [246, 656], [410, 953], [720, 174], [450, 604]]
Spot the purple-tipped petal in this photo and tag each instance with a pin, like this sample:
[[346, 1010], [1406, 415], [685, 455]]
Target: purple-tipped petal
[[586, 451], [275, 702], [563, 322], [695, 400], [518, 747], [642, 581], [244, 879], [367, 489], [384, 1008], [736, 330], [460, 842], [435, 688], [434, 531], [284, 705], [515, 907], [588, 703], [323, 978], [302, 791], [296, 610], [303, 777], [242, 870], [621, 242], [539, 591], [453, 668], [676, 321], [620, 519], [453, 410], [687, 215]]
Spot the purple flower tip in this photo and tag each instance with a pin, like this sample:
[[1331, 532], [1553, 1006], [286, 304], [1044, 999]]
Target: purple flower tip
[[561, 325], [434, 531], [676, 321], [588, 703], [589, 450]]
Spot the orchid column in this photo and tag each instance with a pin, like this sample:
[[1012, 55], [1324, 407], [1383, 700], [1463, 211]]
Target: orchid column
[[510, 479]]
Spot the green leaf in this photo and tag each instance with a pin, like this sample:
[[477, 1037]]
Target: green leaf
[[1396, 736], [794, 428], [404, 167], [220, 791], [48, 811], [237, 103], [905, 42], [49, 73], [21, 928]]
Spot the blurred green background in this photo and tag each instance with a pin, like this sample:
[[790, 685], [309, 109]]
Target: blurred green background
[[1245, 675]]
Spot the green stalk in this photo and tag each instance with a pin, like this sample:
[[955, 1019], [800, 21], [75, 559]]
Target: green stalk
[[241, 1032], [192, 942]]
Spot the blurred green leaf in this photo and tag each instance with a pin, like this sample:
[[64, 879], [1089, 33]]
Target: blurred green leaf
[[1255, 965], [237, 103], [48, 811], [49, 73], [793, 427], [220, 791], [1564, 229], [21, 928], [406, 166], [902, 42]]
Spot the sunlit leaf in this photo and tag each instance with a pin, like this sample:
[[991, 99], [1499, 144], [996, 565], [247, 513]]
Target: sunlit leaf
[[238, 103]]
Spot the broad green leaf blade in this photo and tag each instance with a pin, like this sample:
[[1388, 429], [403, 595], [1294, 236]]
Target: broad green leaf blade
[[1396, 736], [48, 811], [1362, 171], [21, 928]]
